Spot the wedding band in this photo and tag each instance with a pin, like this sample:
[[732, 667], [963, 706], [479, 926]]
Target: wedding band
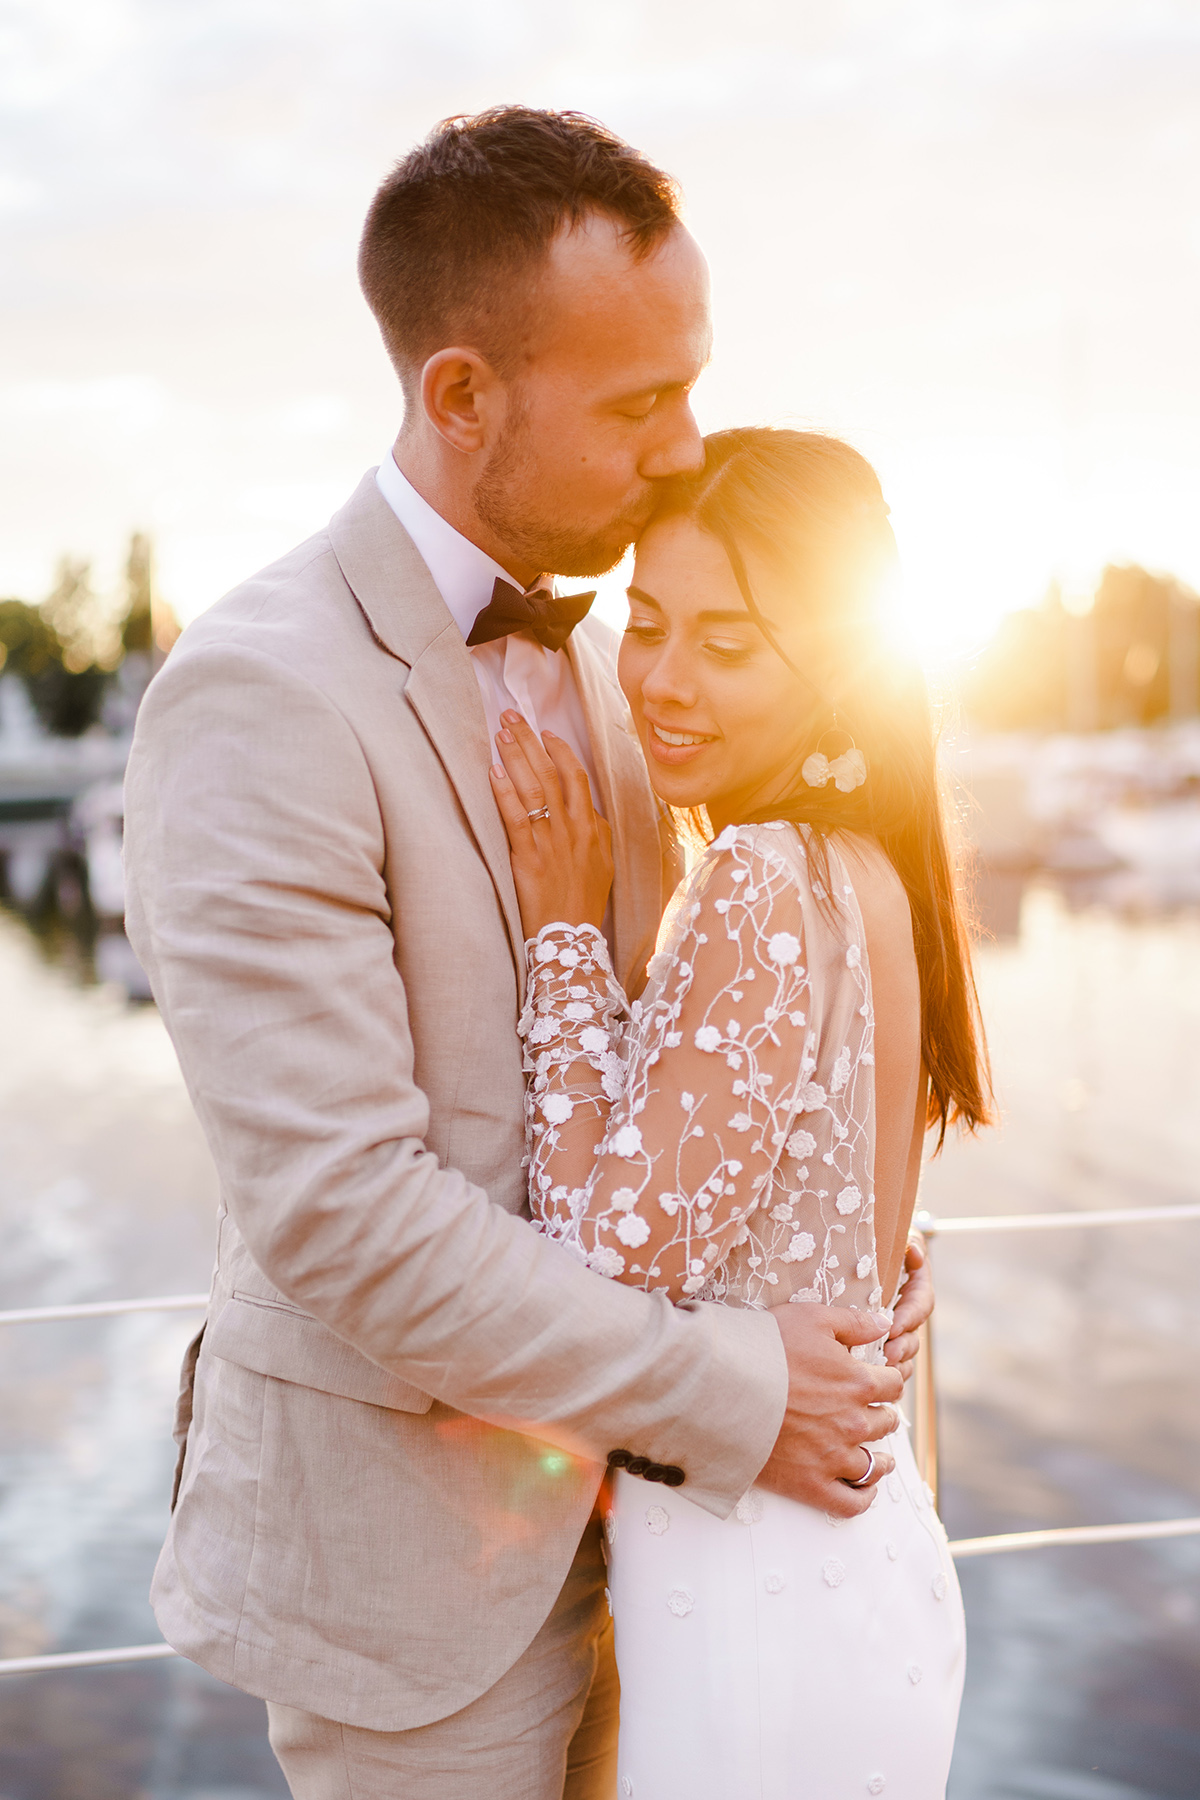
[[867, 1474], [543, 812]]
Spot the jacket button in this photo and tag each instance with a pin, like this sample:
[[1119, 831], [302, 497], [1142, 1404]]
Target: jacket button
[[672, 1477], [655, 1472], [637, 1465], [620, 1459]]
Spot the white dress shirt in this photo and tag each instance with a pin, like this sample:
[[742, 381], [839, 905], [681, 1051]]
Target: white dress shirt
[[515, 671]]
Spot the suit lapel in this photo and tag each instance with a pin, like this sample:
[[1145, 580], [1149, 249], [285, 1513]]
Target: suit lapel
[[639, 871], [408, 618], [444, 694]]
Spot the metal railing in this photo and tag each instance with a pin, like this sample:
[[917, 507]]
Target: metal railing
[[924, 1424], [103, 1309], [1121, 1215], [925, 1428]]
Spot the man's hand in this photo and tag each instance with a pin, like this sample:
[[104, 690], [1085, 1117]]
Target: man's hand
[[835, 1406], [913, 1309]]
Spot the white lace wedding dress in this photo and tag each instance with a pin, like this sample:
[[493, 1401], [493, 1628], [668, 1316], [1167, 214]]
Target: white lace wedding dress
[[716, 1141]]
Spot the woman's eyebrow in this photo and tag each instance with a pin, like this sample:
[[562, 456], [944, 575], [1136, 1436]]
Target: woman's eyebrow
[[713, 616]]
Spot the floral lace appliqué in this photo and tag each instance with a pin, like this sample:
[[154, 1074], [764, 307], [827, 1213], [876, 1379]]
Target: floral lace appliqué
[[716, 1139]]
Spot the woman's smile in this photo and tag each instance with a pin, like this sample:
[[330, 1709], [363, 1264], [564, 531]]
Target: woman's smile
[[675, 747]]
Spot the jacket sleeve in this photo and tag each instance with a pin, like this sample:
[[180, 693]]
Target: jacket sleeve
[[256, 900]]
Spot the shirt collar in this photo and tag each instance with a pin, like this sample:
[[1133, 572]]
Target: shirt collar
[[463, 574]]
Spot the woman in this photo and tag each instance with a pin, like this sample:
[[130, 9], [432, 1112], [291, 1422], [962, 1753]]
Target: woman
[[750, 1130]]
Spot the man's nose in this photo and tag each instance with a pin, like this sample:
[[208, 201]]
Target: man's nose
[[679, 450]]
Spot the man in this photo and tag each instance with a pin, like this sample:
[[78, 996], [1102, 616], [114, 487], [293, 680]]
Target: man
[[395, 1424]]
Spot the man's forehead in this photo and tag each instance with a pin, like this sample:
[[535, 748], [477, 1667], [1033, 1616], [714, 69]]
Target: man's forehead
[[652, 311]]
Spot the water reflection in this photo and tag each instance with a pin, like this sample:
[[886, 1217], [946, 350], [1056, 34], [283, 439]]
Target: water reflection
[[69, 894], [1065, 1362], [106, 1190]]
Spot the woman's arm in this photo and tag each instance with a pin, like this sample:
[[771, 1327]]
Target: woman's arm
[[649, 1157], [832, 1406], [651, 1147]]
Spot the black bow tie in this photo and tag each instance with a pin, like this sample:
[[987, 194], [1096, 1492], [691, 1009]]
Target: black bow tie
[[551, 621]]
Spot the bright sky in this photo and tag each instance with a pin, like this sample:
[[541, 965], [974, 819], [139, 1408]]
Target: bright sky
[[963, 233]]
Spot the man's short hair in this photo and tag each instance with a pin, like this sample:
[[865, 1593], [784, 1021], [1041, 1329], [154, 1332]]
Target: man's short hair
[[462, 227]]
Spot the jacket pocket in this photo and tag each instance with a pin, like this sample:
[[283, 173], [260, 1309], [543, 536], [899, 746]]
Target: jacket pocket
[[290, 1345]]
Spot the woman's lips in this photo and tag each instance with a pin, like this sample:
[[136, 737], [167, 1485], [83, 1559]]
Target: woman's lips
[[675, 747]]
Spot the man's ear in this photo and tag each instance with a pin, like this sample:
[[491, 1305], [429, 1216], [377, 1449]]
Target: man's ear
[[462, 397]]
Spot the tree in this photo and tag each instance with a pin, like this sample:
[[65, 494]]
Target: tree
[[73, 612], [27, 642], [68, 649], [137, 628], [1017, 684], [1134, 651]]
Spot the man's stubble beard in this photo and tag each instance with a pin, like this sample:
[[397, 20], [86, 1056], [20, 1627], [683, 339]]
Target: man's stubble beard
[[506, 502]]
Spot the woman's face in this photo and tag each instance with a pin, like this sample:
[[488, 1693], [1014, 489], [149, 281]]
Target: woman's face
[[723, 722]]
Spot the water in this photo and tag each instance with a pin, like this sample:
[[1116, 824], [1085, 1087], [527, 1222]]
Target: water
[[1066, 1360], [1066, 1366], [106, 1190]]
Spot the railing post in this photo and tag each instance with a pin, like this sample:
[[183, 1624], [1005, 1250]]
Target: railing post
[[924, 1381], [924, 1406]]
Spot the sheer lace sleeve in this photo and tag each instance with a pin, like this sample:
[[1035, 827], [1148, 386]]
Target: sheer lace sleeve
[[654, 1130]]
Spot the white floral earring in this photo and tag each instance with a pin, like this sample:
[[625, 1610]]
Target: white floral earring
[[847, 771]]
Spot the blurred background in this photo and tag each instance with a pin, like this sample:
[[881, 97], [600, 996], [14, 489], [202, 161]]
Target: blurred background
[[964, 234]]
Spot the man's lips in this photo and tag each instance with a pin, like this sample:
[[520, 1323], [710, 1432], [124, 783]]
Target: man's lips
[[675, 747]]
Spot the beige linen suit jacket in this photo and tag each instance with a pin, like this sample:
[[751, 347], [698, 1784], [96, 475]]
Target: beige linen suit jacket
[[396, 1422]]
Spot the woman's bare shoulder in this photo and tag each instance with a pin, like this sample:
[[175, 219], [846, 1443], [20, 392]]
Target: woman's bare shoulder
[[882, 898]]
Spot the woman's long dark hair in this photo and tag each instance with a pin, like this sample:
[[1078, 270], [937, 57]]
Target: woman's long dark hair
[[811, 508]]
